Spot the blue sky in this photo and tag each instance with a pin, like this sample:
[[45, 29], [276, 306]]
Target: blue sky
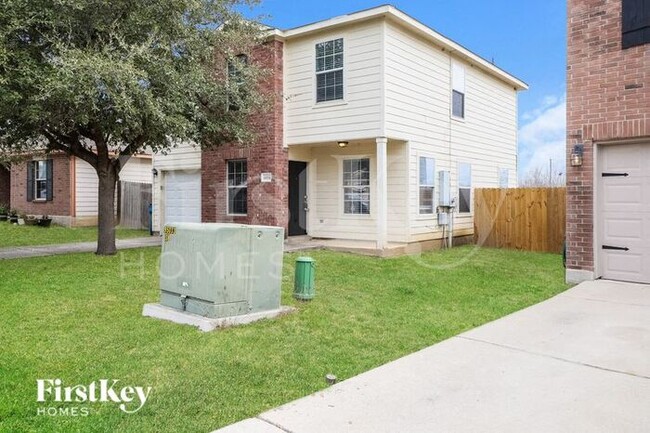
[[526, 38]]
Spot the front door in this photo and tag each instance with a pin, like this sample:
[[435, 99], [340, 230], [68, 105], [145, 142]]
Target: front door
[[297, 198]]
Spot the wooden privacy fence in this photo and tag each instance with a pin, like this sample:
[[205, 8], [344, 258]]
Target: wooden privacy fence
[[531, 219], [134, 201]]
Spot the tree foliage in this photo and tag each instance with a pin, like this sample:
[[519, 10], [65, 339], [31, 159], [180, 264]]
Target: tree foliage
[[107, 79], [127, 73]]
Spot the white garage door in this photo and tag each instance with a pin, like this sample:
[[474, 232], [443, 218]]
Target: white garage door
[[182, 197], [624, 212]]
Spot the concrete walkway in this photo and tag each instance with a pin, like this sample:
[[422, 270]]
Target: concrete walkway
[[80, 247], [579, 362]]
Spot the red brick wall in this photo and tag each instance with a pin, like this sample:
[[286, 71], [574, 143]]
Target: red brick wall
[[267, 202], [5, 185], [608, 100], [60, 204]]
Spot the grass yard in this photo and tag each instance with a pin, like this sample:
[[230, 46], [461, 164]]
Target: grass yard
[[12, 235], [84, 323]]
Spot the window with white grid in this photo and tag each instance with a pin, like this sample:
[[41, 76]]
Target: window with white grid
[[329, 70]]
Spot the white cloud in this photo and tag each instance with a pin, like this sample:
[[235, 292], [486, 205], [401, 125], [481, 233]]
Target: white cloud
[[543, 137]]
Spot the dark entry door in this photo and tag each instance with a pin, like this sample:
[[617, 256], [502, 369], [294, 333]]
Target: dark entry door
[[297, 198]]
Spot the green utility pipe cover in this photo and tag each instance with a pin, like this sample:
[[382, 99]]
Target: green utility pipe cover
[[304, 288]]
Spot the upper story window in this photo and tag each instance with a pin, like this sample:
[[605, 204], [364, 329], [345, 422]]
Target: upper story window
[[39, 180], [329, 70], [427, 185], [356, 186], [236, 81], [464, 188], [636, 23], [457, 91]]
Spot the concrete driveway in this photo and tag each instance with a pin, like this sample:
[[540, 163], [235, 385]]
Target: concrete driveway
[[579, 362]]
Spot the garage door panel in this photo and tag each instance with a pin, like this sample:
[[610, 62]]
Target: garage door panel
[[624, 228], [624, 212]]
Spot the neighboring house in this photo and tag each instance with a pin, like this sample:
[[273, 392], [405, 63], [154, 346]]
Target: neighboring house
[[5, 185], [608, 140], [369, 108], [64, 187]]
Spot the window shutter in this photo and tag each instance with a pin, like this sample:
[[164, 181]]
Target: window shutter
[[636, 23], [30, 180], [49, 167]]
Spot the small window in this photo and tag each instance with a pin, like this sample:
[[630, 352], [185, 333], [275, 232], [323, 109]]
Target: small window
[[504, 177], [238, 187], [329, 70], [457, 91], [356, 186], [636, 23], [427, 185], [464, 188], [458, 104], [236, 80]]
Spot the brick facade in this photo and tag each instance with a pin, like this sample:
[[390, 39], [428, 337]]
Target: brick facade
[[267, 202], [60, 204], [5, 185], [608, 101]]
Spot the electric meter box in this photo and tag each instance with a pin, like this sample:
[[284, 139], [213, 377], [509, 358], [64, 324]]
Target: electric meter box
[[221, 270]]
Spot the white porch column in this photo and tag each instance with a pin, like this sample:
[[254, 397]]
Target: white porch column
[[382, 193]]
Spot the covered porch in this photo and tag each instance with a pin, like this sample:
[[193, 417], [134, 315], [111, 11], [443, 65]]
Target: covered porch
[[351, 190]]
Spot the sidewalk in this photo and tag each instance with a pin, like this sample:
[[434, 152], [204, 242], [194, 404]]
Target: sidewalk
[[579, 362], [80, 247]]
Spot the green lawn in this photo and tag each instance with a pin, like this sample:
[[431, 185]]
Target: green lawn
[[12, 235], [84, 323]]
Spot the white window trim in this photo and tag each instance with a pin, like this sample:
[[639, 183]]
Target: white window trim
[[37, 179], [341, 194], [334, 102], [471, 190], [433, 215], [228, 188], [460, 88]]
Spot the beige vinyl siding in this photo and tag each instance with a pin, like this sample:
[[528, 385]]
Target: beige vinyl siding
[[418, 109], [359, 115], [183, 157], [86, 182]]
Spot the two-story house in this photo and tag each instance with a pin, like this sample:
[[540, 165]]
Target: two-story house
[[370, 108], [608, 140]]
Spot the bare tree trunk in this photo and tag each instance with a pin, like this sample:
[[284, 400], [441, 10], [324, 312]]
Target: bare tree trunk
[[106, 211]]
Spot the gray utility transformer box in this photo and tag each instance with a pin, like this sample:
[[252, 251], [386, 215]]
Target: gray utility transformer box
[[221, 270]]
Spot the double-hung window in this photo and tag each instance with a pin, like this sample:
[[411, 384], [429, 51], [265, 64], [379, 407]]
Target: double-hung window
[[427, 185], [238, 187], [457, 91], [464, 188], [356, 186], [40, 180], [329, 70], [236, 81]]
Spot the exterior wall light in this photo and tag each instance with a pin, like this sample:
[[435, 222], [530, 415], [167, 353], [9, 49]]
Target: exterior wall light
[[342, 143], [154, 172], [577, 154]]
